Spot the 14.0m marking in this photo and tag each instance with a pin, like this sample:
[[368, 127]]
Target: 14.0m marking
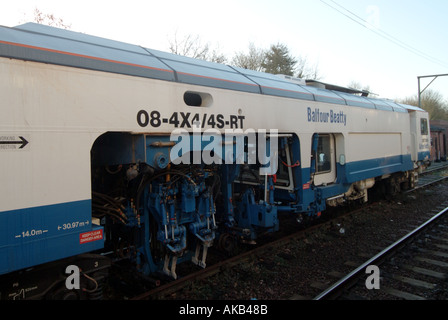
[[31, 233]]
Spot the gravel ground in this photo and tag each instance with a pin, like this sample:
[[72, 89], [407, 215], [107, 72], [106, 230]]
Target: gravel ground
[[296, 269]]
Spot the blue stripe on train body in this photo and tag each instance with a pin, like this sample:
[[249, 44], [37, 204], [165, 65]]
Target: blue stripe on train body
[[37, 235], [347, 174]]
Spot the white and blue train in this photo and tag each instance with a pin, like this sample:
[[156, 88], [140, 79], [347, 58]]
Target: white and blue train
[[88, 162]]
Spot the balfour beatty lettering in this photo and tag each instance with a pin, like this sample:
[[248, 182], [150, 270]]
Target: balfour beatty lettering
[[326, 117]]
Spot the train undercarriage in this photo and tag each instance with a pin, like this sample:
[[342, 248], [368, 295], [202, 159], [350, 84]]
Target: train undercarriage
[[159, 214]]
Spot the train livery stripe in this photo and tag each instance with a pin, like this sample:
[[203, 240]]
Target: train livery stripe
[[82, 56], [132, 68], [365, 169], [70, 59]]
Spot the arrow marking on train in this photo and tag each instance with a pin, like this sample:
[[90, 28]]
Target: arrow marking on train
[[23, 142]]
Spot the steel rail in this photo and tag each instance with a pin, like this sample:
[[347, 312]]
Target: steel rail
[[427, 184], [353, 276]]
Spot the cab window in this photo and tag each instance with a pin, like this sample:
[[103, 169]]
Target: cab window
[[424, 126], [323, 156]]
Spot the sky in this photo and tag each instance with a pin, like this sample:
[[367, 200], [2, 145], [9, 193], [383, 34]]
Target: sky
[[383, 44]]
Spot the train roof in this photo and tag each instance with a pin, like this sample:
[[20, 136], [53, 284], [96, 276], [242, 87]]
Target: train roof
[[40, 43]]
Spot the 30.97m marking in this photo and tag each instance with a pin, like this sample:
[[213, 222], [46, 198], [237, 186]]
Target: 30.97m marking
[[187, 120]]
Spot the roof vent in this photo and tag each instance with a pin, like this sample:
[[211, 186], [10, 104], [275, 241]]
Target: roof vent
[[323, 85], [292, 79]]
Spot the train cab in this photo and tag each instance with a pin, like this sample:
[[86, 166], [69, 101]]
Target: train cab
[[420, 136]]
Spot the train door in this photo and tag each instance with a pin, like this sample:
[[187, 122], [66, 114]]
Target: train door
[[437, 149], [444, 153], [325, 159]]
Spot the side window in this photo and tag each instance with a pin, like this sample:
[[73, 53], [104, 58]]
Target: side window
[[323, 156], [424, 126]]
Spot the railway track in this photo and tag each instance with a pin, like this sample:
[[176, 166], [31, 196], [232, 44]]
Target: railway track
[[412, 268], [169, 289], [432, 175]]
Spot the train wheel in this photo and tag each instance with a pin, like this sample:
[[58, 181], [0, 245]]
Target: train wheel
[[226, 243]]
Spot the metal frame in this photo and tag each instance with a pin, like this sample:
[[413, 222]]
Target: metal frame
[[435, 76]]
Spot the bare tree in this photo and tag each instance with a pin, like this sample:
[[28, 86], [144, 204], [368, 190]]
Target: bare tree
[[254, 60], [189, 46], [49, 19], [431, 101], [358, 86], [306, 71], [216, 56], [192, 46]]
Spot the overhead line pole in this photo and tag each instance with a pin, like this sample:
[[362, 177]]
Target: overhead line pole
[[435, 76]]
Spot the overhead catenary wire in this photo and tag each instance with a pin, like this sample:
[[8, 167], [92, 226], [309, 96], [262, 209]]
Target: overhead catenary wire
[[357, 19]]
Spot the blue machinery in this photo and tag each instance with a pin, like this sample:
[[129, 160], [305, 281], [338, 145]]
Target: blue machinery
[[174, 213]]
